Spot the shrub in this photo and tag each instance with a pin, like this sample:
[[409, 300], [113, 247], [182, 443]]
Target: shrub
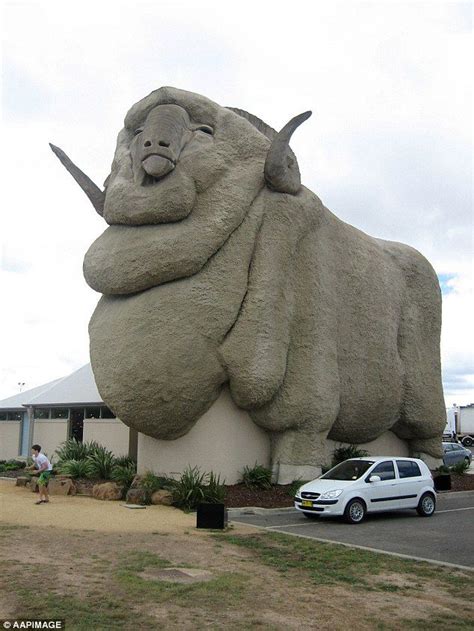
[[443, 469], [12, 465], [188, 491], [194, 487], [461, 467], [257, 477], [102, 462], [125, 461], [123, 474], [76, 468], [72, 449], [151, 483], [214, 492], [345, 452], [295, 485]]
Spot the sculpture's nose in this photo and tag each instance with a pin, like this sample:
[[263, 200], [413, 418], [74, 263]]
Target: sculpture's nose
[[161, 143]]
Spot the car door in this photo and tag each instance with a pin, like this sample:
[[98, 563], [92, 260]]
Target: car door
[[449, 454], [382, 495], [411, 483], [458, 454]]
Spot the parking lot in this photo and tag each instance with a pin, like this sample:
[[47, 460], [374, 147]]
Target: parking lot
[[445, 537]]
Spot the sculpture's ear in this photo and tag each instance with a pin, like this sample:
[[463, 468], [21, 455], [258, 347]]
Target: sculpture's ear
[[282, 173], [93, 192]]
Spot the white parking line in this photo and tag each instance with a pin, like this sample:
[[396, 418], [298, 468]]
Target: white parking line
[[308, 523], [454, 510]]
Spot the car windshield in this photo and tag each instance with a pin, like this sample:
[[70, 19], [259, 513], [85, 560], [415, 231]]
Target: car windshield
[[348, 470]]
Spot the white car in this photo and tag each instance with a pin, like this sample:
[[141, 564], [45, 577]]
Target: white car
[[368, 485]]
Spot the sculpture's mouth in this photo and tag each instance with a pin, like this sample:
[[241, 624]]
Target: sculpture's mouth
[[156, 167]]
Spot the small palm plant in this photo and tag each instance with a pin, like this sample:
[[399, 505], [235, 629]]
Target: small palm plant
[[257, 477], [76, 468]]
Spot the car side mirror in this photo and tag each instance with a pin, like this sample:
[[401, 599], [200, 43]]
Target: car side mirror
[[375, 478]]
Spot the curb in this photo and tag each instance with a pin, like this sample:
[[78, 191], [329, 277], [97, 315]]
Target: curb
[[399, 555], [258, 510]]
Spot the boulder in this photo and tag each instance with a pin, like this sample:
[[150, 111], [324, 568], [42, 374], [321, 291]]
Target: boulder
[[33, 485], [136, 496], [61, 486], [162, 497], [136, 482], [83, 488], [107, 491], [22, 481]]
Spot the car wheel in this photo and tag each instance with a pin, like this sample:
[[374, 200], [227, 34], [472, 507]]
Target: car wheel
[[427, 505], [467, 442], [466, 459], [355, 511], [311, 515]]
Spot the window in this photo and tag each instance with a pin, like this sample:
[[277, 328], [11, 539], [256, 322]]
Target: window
[[42, 413], [348, 470], [14, 416], [92, 412], [408, 469], [106, 413], [60, 413], [3, 416], [385, 470]]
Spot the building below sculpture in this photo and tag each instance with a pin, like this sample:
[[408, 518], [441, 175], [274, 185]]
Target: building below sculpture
[[224, 439]]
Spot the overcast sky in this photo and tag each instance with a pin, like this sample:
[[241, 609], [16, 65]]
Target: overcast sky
[[388, 149]]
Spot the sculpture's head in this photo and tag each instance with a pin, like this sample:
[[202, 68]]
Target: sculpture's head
[[174, 146]]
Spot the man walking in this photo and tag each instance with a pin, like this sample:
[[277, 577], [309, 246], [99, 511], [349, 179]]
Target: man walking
[[45, 470]]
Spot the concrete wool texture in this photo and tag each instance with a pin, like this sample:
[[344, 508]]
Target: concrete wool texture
[[209, 276]]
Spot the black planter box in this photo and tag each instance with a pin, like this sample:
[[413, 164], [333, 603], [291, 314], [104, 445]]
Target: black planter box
[[211, 516], [442, 482]]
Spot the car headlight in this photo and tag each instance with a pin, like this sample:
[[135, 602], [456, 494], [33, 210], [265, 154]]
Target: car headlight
[[330, 495]]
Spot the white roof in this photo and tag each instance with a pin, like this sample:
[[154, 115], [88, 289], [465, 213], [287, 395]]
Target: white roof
[[16, 401], [79, 388]]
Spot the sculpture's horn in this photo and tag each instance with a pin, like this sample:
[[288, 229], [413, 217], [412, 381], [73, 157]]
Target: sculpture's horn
[[281, 167], [93, 192]]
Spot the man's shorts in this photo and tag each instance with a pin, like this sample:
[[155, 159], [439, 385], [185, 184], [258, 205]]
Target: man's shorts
[[44, 478]]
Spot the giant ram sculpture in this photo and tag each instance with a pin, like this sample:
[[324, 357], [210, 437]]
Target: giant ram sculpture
[[219, 267]]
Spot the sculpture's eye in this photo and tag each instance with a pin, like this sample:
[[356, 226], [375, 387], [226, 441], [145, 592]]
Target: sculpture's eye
[[138, 131], [206, 129]]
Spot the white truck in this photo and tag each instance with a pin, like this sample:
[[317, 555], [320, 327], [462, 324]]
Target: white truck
[[460, 423]]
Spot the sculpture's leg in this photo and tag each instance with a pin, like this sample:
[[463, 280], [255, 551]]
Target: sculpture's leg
[[298, 454]]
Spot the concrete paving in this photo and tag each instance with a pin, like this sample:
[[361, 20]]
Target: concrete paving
[[446, 537]]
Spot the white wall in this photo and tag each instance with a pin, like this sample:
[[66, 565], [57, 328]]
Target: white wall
[[386, 445], [224, 440], [111, 433], [49, 434], [9, 439]]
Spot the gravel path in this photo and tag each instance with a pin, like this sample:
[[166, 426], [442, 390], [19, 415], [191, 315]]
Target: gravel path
[[17, 506]]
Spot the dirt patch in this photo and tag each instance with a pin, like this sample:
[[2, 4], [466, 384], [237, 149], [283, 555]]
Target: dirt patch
[[108, 580], [238, 495]]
